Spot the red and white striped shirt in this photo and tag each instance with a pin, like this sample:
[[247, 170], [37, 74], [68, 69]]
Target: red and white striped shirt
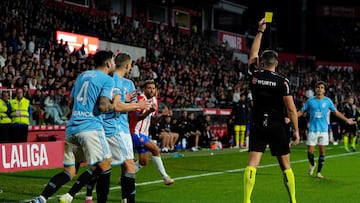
[[143, 125]]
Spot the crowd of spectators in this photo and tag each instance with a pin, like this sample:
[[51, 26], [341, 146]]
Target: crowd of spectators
[[187, 132], [345, 34], [191, 71]]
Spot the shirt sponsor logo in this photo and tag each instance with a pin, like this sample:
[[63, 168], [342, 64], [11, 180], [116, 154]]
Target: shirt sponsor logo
[[83, 114], [263, 82]]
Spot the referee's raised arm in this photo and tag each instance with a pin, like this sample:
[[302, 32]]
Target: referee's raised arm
[[254, 52]]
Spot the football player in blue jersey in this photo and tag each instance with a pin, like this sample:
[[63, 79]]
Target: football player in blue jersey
[[85, 137], [117, 129], [122, 87], [318, 107]]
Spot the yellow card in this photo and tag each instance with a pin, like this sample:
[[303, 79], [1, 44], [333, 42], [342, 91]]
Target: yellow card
[[268, 17]]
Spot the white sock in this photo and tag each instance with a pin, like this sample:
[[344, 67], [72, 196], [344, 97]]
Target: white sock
[[159, 165], [138, 166], [247, 141]]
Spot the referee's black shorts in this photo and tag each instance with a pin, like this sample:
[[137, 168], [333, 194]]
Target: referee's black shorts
[[276, 136], [350, 129]]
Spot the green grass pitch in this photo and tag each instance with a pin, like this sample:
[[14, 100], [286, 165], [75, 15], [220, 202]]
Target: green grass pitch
[[204, 178]]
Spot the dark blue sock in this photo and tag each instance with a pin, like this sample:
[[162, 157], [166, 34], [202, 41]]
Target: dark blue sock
[[55, 183], [321, 163], [311, 158], [128, 187], [102, 186], [83, 179], [91, 185]]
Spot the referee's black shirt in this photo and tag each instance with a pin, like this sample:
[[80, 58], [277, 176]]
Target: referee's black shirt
[[268, 89]]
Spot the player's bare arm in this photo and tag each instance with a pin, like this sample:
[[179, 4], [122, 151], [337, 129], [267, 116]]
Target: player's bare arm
[[123, 107], [342, 117], [254, 51], [105, 104], [160, 116], [143, 114], [71, 102], [291, 109]]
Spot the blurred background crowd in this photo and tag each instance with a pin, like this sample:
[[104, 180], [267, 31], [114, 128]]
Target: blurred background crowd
[[191, 71]]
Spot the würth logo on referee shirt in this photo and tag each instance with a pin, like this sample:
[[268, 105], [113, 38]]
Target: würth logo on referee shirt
[[263, 82]]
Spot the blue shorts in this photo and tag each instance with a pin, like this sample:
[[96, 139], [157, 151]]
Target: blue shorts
[[247, 127], [139, 141]]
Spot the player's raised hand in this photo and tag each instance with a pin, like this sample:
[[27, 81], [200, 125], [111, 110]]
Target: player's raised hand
[[143, 104]]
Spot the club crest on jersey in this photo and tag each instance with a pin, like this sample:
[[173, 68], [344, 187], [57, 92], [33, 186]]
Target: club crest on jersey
[[323, 104]]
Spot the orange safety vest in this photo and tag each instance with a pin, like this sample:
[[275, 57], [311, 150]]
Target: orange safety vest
[[20, 111], [4, 118]]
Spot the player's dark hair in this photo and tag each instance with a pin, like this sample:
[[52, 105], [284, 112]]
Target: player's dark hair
[[5, 92], [321, 83], [101, 57], [269, 57]]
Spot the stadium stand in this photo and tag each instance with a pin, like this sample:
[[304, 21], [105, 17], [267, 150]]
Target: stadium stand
[[191, 70]]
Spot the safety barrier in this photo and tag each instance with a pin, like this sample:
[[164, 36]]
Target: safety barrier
[[43, 133]]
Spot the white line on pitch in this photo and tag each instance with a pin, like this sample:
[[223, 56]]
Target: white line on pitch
[[217, 173]]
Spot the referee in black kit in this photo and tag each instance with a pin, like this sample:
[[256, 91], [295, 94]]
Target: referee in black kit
[[271, 97]]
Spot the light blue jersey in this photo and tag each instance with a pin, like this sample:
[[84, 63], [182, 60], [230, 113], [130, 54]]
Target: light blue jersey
[[109, 124], [88, 87], [117, 122], [129, 87], [125, 86], [319, 113]]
